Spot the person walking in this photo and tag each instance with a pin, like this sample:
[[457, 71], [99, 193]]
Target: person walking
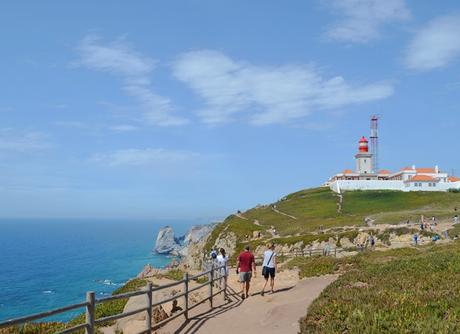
[[222, 263], [269, 268], [245, 265]]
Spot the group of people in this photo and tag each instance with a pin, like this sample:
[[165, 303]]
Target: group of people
[[246, 268]]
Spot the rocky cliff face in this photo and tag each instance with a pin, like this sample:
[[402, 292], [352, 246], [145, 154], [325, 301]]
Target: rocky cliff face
[[168, 243]]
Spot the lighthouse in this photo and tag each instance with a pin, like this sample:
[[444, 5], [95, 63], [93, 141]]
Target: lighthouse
[[363, 157]]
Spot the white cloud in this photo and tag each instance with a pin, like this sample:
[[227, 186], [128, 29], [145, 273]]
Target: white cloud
[[135, 71], [266, 94], [435, 45], [22, 141], [140, 157], [123, 128], [363, 19]]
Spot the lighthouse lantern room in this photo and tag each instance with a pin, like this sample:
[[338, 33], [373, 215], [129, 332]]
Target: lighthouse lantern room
[[363, 157]]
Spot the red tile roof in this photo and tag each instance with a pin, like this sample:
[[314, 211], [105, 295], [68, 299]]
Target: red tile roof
[[384, 171], [454, 179], [347, 171], [426, 170], [422, 178]]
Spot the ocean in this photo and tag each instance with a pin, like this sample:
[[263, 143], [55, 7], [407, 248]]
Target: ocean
[[46, 264]]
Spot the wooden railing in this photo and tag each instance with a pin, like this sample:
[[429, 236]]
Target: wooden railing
[[214, 274]]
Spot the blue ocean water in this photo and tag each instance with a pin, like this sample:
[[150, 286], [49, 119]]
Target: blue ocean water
[[45, 264]]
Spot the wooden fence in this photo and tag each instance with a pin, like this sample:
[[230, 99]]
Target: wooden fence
[[213, 275]]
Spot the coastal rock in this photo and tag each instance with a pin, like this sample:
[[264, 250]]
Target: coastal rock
[[195, 235], [226, 241], [166, 243]]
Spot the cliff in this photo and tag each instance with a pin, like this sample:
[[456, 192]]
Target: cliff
[[168, 243]]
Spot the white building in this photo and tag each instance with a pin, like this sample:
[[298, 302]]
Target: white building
[[407, 179]]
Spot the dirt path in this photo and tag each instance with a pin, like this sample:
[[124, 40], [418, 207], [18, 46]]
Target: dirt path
[[274, 313], [283, 213]]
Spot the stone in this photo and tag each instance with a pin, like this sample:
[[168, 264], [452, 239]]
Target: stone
[[166, 242]]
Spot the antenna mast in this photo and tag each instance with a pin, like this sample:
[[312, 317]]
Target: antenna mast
[[375, 143]]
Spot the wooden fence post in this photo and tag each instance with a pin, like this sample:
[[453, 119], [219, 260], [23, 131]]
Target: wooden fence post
[[225, 283], [210, 280], [335, 252], [148, 319], [90, 312], [186, 281], [310, 252]]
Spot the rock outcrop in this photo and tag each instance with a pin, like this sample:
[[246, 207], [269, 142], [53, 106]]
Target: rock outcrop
[[168, 243]]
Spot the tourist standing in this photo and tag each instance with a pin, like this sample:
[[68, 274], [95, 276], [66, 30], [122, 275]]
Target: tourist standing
[[269, 268], [372, 242], [245, 265], [415, 237], [222, 263]]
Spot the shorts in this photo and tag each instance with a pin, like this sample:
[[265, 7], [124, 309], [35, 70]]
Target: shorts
[[245, 276], [269, 272]]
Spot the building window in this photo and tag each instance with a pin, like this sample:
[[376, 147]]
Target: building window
[[434, 184]]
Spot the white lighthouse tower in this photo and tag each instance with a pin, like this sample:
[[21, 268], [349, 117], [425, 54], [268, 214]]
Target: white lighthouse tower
[[363, 158]]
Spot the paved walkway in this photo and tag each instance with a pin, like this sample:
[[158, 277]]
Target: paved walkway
[[276, 313]]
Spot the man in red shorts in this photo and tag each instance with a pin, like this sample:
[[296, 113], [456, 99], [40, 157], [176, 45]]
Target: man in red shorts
[[246, 264]]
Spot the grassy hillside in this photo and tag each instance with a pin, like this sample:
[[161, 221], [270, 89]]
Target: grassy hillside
[[315, 208], [398, 291]]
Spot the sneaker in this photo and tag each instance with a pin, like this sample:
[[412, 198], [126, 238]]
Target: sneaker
[[242, 296]]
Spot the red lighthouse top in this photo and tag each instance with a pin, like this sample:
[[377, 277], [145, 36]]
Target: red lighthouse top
[[363, 145]]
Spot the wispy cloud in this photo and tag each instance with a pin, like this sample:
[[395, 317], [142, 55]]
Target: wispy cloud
[[135, 71], [266, 95], [123, 128], [12, 140], [435, 45], [140, 157], [363, 19]]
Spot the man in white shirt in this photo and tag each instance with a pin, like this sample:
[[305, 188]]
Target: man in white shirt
[[269, 267]]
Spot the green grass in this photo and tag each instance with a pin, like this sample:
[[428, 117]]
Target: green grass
[[114, 306], [398, 291], [455, 231], [174, 274], [316, 209]]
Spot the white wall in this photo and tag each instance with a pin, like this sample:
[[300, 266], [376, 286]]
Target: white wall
[[341, 185]]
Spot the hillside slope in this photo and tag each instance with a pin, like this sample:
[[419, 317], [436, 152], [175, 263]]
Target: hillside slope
[[312, 211]]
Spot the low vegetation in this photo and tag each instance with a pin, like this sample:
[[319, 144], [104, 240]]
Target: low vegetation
[[315, 210], [410, 290]]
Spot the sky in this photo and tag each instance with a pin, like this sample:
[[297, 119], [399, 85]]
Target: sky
[[196, 109]]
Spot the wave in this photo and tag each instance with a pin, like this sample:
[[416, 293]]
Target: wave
[[48, 291], [108, 282]]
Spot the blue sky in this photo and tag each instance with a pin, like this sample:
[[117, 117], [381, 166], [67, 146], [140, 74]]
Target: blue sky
[[194, 109]]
